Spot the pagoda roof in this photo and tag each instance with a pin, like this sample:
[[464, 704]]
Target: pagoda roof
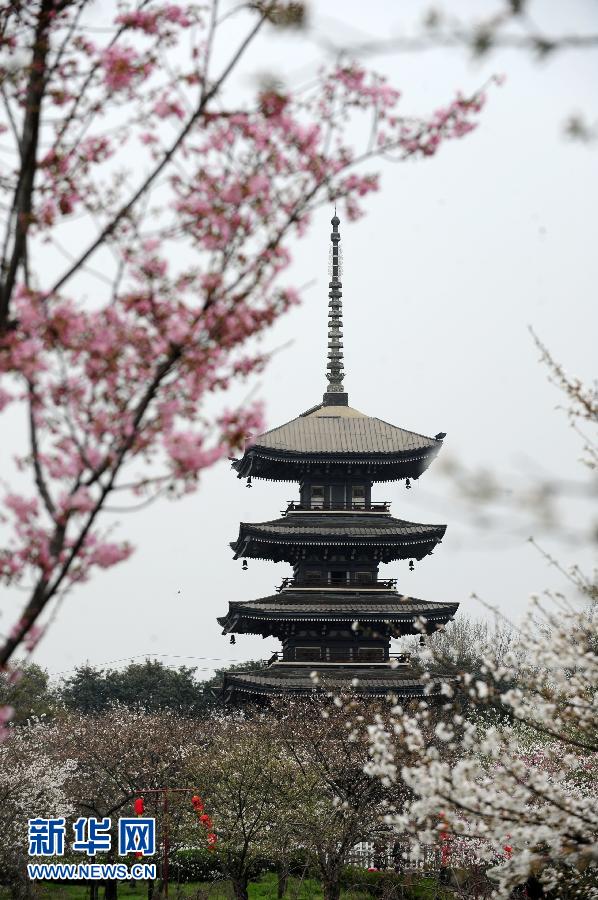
[[333, 605], [395, 538], [372, 681], [338, 435]]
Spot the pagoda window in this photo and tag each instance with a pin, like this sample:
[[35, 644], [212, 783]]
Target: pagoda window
[[338, 576], [313, 576], [339, 654], [370, 654], [358, 496], [364, 577], [317, 496], [308, 654]]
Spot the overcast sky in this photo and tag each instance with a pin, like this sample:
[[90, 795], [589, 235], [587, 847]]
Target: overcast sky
[[456, 257]]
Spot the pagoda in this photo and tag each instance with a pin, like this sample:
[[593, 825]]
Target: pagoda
[[334, 616]]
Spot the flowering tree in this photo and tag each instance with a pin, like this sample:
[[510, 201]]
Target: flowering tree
[[116, 755], [522, 792], [340, 805], [32, 783], [148, 219], [249, 785]]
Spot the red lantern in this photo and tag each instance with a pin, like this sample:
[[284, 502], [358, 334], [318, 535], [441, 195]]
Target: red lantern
[[212, 841], [445, 850], [139, 806]]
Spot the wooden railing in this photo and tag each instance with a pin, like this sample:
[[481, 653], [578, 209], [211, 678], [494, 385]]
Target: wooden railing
[[383, 584], [325, 506], [402, 659]]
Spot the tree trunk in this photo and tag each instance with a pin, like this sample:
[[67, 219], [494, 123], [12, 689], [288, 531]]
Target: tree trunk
[[283, 879], [20, 888], [240, 888], [111, 889], [150, 888], [331, 887]]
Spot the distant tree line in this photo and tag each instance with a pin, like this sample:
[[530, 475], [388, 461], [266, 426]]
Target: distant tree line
[[151, 686], [148, 686]]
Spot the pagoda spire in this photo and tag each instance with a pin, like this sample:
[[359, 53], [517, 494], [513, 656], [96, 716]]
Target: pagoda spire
[[335, 392]]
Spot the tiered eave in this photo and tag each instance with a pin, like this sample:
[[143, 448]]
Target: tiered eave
[[337, 436], [288, 538], [272, 615]]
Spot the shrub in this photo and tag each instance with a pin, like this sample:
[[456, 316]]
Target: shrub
[[390, 885], [194, 865]]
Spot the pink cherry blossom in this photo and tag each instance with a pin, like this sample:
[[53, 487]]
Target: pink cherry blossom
[[178, 210], [122, 66], [109, 554]]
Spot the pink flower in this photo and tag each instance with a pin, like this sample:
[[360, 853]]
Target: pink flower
[[24, 510], [144, 21], [123, 65], [257, 184], [81, 501], [177, 14], [165, 107], [106, 555], [187, 452]]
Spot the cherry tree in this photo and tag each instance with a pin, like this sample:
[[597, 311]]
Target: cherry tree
[[339, 804], [249, 785], [148, 218], [520, 793], [515, 786], [119, 755], [32, 783]]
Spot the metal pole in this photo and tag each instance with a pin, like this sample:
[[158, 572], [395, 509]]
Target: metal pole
[[164, 791]]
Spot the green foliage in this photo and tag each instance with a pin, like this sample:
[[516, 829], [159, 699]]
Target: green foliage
[[86, 691], [264, 888], [29, 695], [391, 885], [194, 865], [200, 864], [150, 686]]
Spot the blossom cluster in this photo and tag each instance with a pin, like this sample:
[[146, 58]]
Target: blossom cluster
[[514, 778]]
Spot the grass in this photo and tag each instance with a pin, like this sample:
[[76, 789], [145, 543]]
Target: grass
[[263, 888]]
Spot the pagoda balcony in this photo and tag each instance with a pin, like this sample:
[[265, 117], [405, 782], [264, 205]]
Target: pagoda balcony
[[395, 660], [375, 506], [354, 581]]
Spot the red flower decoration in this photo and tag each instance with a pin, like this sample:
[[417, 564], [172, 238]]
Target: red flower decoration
[[139, 806], [197, 803], [206, 820]]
